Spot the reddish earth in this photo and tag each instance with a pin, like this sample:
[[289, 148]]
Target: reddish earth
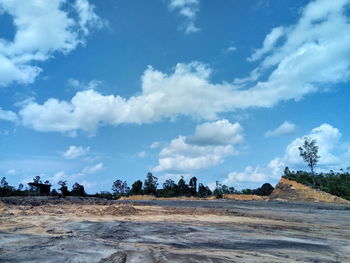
[[288, 190]]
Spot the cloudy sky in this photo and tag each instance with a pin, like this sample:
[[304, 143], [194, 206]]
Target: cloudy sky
[[94, 91]]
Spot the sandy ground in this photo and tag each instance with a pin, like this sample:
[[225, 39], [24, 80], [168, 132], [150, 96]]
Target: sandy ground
[[174, 231]]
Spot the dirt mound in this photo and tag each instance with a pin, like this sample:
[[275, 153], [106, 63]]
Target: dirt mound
[[288, 190], [244, 197], [114, 210]]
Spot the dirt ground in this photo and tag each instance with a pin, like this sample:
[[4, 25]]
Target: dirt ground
[[85, 230]]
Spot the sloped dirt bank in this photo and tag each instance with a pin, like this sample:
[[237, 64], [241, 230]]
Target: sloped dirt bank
[[288, 190]]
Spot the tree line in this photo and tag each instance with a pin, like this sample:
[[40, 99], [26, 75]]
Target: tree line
[[149, 186]]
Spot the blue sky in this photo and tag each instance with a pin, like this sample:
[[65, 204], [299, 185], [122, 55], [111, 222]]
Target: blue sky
[[94, 91]]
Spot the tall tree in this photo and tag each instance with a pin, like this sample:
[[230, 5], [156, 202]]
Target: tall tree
[[4, 183], [63, 188], [193, 185], [78, 190], [203, 191], [182, 186], [170, 188], [309, 152], [120, 187], [136, 188], [150, 185]]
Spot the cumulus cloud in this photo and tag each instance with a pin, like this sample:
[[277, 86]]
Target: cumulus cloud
[[307, 57], [286, 128], [188, 9], [8, 115], [42, 28], [332, 150], [74, 152], [93, 169], [311, 51], [202, 151], [249, 174], [221, 132]]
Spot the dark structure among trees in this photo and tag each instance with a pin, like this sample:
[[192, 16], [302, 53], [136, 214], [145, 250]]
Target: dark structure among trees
[[40, 189]]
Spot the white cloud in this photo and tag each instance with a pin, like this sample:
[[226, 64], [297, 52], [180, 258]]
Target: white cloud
[[63, 176], [221, 132], [183, 156], [75, 151], [250, 174], [59, 176], [93, 169], [231, 49], [332, 150], [8, 115], [286, 128], [311, 51], [75, 177], [42, 28], [87, 18], [309, 56], [269, 43], [187, 9], [155, 145], [142, 154], [88, 185], [92, 84], [11, 172]]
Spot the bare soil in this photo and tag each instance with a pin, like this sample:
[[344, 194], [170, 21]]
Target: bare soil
[[288, 190], [92, 230]]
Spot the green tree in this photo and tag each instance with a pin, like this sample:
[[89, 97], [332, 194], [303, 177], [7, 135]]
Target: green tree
[[136, 188], [218, 191], [119, 187], [309, 152], [63, 188], [170, 188], [150, 185], [4, 183], [78, 190], [182, 187], [287, 172], [193, 186], [227, 190], [203, 191], [265, 190], [5, 188]]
